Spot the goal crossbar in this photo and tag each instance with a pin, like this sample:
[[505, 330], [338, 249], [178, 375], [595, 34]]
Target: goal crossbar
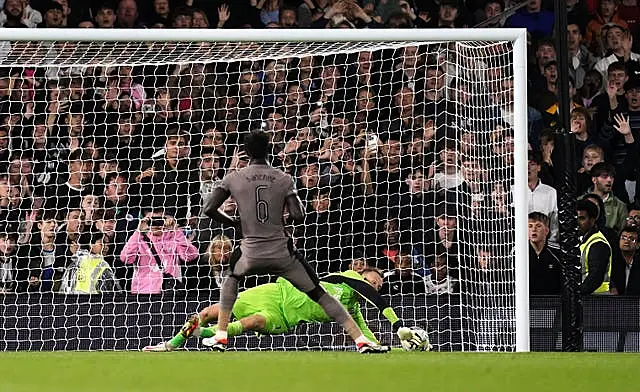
[[268, 35]]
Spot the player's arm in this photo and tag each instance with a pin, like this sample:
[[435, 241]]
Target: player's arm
[[362, 324], [295, 208], [293, 202], [370, 294], [213, 203]]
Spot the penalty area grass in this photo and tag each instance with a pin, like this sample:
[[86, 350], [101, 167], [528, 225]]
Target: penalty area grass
[[315, 372]]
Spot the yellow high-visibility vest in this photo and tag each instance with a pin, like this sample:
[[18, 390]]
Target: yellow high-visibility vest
[[584, 257], [89, 271]]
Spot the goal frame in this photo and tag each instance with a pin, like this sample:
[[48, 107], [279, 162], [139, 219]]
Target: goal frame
[[517, 36]]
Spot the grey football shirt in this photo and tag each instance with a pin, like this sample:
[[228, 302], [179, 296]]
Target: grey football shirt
[[260, 192]]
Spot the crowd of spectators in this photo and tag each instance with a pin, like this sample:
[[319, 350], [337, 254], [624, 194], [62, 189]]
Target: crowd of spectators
[[402, 164]]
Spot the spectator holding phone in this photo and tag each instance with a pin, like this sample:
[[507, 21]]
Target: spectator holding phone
[[157, 249]]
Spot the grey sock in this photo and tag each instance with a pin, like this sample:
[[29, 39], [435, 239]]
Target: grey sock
[[334, 309], [228, 293]]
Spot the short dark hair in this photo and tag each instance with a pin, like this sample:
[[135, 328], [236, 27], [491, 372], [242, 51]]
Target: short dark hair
[[256, 145], [49, 214], [208, 150], [630, 229], [610, 26], [110, 156], [111, 5], [106, 214], [596, 199], [446, 209], [287, 6], [79, 155], [182, 11], [545, 41], [601, 168], [399, 19], [535, 156], [587, 206], [572, 20], [500, 2], [617, 66], [176, 133], [539, 217], [86, 239], [112, 176], [157, 209], [547, 135], [373, 269]]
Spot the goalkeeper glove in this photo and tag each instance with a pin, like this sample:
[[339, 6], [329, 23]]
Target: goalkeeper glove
[[415, 335], [405, 333]]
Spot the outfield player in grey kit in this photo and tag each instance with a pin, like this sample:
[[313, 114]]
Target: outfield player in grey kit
[[262, 193]]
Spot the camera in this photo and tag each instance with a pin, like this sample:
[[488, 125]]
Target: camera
[[148, 108], [156, 221]]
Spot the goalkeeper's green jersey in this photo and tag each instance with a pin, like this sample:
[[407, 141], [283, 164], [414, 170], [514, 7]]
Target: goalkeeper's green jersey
[[347, 287]]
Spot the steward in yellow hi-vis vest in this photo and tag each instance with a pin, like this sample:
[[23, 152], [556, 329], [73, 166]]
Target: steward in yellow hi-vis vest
[[595, 251], [88, 274]]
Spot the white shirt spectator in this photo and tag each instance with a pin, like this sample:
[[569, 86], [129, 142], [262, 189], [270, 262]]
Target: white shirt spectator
[[32, 20], [448, 181], [603, 65], [206, 187], [442, 287], [7, 278], [545, 199]]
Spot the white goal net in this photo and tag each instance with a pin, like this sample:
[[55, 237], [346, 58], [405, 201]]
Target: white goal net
[[403, 154]]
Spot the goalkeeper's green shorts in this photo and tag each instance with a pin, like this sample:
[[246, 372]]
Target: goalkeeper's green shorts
[[264, 300]]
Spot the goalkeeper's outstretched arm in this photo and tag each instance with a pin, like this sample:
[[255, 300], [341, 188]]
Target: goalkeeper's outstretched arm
[[367, 285], [362, 324], [368, 289]]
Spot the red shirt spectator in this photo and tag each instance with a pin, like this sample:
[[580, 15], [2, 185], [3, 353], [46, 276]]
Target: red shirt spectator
[[607, 14]]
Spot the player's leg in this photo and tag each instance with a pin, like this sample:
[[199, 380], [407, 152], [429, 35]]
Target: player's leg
[[192, 327], [256, 322], [257, 309], [305, 279], [267, 322], [238, 265], [228, 296], [207, 315]]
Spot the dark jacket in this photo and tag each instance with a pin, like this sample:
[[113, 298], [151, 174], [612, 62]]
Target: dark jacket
[[172, 187], [545, 271], [31, 263], [396, 283], [619, 276]]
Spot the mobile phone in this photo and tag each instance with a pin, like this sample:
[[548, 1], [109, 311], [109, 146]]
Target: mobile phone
[[148, 108], [156, 222], [372, 142]]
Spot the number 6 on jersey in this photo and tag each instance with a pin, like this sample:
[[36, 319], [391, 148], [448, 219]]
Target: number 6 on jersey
[[262, 207]]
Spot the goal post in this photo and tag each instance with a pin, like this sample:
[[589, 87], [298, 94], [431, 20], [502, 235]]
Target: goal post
[[490, 318]]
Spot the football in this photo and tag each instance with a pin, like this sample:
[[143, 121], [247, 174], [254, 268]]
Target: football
[[418, 342]]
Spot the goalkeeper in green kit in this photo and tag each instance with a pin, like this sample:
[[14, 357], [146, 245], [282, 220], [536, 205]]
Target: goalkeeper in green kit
[[278, 307]]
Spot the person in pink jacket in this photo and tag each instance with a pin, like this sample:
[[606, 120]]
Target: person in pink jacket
[[170, 244]]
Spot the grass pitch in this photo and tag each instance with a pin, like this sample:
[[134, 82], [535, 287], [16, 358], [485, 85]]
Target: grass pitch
[[316, 372]]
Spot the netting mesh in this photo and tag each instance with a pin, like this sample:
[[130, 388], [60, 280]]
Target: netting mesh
[[402, 152]]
